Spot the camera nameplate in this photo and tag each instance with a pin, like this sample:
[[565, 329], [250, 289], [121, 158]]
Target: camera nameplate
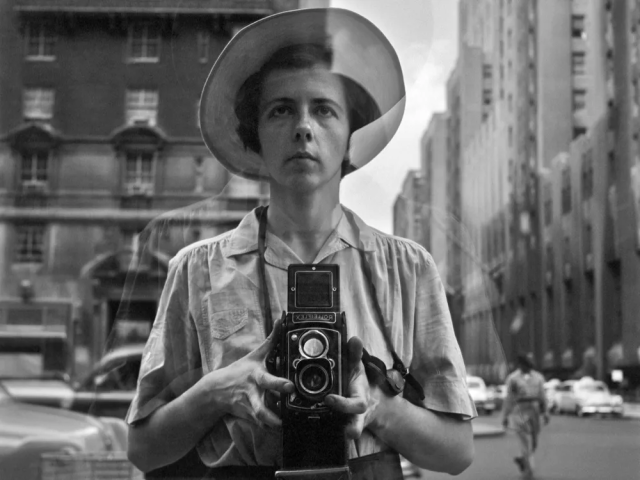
[[305, 317]]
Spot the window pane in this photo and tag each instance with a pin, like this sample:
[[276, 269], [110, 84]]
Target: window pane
[[38, 103], [30, 246]]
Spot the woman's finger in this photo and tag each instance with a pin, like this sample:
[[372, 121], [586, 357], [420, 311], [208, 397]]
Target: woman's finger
[[266, 381], [352, 405]]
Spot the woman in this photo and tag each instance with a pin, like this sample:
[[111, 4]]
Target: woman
[[300, 99]]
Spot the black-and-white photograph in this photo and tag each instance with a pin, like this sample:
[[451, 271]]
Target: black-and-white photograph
[[319, 239]]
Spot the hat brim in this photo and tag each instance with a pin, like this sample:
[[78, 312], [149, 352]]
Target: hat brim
[[360, 52]]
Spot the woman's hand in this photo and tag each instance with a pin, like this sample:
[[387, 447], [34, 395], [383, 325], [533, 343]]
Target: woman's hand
[[240, 388], [362, 398]]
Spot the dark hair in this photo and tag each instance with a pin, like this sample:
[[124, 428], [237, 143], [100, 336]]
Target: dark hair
[[362, 109], [524, 362]]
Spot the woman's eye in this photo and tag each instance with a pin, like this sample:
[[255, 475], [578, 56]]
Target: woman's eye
[[325, 111], [280, 111]]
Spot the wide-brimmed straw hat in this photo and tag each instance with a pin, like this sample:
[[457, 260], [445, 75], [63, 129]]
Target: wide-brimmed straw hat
[[360, 52]]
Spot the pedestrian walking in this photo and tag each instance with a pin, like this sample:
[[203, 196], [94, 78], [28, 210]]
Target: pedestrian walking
[[524, 406]]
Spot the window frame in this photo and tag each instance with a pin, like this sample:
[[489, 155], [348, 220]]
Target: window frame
[[141, 105], [204, 46], [578, 67], [144, 181], [146, 41], [39, 92], [33, 157], [31, 230], [43, 28], [579, 99]]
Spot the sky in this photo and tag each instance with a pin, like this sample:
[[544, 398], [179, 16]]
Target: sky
[[424, 34]]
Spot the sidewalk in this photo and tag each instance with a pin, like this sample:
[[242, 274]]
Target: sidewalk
[[632, 410]]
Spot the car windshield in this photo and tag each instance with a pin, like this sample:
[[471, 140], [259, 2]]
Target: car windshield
[[592, 388], [33, 358]]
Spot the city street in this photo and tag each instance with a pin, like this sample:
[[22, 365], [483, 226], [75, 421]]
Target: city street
[[571, 449]]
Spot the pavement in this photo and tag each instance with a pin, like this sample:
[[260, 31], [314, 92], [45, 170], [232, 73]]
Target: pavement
[[483, 428]]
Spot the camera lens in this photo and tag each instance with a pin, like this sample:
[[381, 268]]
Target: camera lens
[[313, 344], [313, 378]]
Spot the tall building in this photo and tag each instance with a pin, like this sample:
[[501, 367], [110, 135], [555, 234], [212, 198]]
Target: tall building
[[407, 208], [98, 137], [433, 167], [543, 183]]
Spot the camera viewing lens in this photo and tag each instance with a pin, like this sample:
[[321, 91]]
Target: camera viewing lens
[[313, 347], [313, 378], [313, 344]]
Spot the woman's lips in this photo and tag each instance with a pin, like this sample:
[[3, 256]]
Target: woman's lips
[[303, 156]]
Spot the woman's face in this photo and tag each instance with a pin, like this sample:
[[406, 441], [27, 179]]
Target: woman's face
[[303, 127]]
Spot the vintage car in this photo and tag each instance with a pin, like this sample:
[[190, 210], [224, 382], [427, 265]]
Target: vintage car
[[587, 396], [498, 393], [27, 432], [106, 391], [551, 394], [110, 387], [480, 395]]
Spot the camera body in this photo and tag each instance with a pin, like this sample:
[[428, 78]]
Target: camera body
[[312, 354]]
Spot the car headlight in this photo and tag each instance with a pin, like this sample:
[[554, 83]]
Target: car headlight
[[616, 400]]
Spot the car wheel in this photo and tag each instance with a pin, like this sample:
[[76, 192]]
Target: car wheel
[[579, 411]]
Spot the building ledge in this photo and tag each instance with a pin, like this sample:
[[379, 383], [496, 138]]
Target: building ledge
[[260, 7]]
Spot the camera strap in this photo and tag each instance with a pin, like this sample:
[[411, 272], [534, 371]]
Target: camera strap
[[262, 271], [391, 380]]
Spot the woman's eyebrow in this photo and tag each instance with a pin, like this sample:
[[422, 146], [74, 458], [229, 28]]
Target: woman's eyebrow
[[323, 100]]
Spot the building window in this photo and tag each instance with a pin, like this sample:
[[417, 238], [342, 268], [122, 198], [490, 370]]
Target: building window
[[37, 103], [139, 173], [30, 244], [486, 71], [33, 169], [486, 97], [578, 27], [144, 43], [577, 131], [578, 63], [566, 190], [588, 241], [40, 41], [587, 175], [203, 47], [142, 107], [579, 99]]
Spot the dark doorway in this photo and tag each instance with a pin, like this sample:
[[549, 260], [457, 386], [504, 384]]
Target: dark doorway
[[130, 323]]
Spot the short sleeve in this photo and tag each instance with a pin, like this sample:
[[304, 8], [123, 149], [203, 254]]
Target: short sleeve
[[437, 361], [170, 361]]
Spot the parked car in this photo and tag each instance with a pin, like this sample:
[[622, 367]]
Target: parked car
[[110, 387], [480, 396], [498, 393], [106, 391], [550, 391], [29, 431], [587, 396]]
